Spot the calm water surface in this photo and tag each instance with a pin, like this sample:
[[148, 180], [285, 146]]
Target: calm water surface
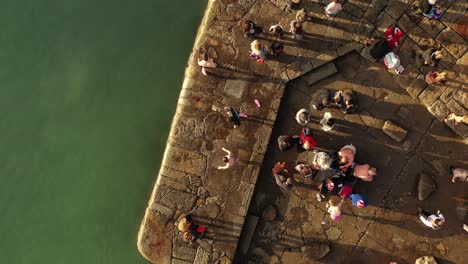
[[87, 93]]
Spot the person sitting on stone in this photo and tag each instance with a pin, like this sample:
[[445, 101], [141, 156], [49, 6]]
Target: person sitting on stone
[[358, 200], [286, 142], [229, 160], [303, 169], [434, 77], [191, 231], [336, 185], [282, 176], [346, 155], [306, 140], [320, 99], [322, 161], [303, 117], [347, 101], [333, 8], [434, 221], [364, 172], [292, 5], [459, 174], [250, 29], [431, 57], [302, 16], [258, 51]]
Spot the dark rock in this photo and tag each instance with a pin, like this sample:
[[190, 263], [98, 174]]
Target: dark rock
[[269, 213], [315, 251], [426, 186], [426, 260]]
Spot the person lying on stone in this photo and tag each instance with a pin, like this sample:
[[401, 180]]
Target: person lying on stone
[[459, 174], [286, 142], [191, 231], [457, 118], [327, 122], [434, 221], [282, 176], [346, 155], [233, 116], [364, 172], [205, 63], [320, 99], [347, 101], [303, 169]]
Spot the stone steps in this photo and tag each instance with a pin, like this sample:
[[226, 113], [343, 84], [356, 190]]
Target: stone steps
[[320, 73]]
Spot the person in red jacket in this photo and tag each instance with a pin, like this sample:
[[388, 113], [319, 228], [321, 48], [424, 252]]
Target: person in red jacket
[[306, 141], [393, 37]]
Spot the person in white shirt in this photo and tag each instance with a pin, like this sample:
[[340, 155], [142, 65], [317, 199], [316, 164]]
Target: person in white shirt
[[333, 8], [303, 117], [433, 221], [229, 160], [205, 62]]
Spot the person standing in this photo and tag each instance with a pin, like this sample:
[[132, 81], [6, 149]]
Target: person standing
[[334, 208], [229, 160], [296, 29], [303, 117], [333, 8], [434, 221], [205, 63], [258, 51]]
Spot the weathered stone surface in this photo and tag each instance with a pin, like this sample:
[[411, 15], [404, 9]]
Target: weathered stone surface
[[187, 161], [320, 73], [202, 257], [374, 9], [430, 94], [333, 233], [417, 86], [235, 88], [461, 27], [451, 41], [454, 13], [440, 110], [155, 238], [431, 26], [315, 251], [180, 261], [248, 233], [216, 126], [426, 260], [188, 132], [394, 131], [324, 58], [269, 213], [384, 21], [426, 186], [295, 257], [396, 8], [349, 47], [184, 253], [175, 199]]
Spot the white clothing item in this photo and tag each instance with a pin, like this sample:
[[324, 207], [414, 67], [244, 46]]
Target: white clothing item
[[432, 2], [321, 161], [274, 27], [333, 8], [301, 121], [326, 116], [351, 147], [428, 221], [207, 64]]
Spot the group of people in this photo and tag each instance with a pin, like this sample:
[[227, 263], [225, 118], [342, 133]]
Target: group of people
[[343, 168]]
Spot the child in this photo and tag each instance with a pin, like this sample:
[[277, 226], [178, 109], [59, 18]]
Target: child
[[296, 29], [250, 29], [229, 160], [205, 62], [327, 122], [433, 221], [333, 8], [358, 200], [434, 77], [277, 30], [334, 208], [191, 231]]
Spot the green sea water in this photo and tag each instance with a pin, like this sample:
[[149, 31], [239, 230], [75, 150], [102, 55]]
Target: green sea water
[[87, 93]]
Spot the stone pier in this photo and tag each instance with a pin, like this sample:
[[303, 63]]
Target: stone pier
[[189, 181]]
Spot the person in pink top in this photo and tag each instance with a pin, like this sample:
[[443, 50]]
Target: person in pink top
[[334, 208], [364, 172], [205, 62], [333, 8], [434, 221], [346, 155]]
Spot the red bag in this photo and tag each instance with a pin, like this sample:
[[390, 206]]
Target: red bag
[[346, 191], [201, 229], [393, 37]]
